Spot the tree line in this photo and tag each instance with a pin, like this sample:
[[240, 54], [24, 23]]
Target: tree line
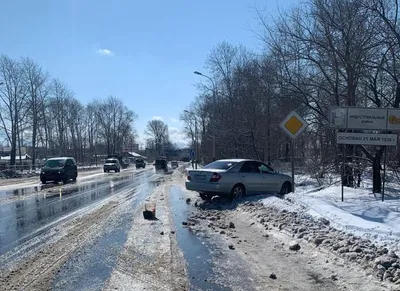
[[318, 54], [43, 113], [158, 141]]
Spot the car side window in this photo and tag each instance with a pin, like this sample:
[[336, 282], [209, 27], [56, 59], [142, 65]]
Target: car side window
[[250, 167], [264, 168]]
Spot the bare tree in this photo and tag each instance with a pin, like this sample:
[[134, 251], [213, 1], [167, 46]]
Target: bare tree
[[35, 81], [157, 131], [13, 96], [115, 123]]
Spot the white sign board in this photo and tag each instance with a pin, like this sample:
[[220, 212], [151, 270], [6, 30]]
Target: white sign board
[[365, 118], [366, 138], [338, 117], [293, 125]]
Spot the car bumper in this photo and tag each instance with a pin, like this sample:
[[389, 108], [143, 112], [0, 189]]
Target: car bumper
[[52, 176], [207, 187], [110, 168]]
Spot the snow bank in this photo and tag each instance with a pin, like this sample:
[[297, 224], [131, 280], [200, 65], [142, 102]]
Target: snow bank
[[362, 213], [282, 204]]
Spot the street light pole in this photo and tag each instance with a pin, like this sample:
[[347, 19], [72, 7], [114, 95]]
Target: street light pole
[[213, 111], [196, 137]]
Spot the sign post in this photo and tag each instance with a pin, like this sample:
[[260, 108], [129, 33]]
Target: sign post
[[384, 175], [372, 119], [343, 169], [293, 125]]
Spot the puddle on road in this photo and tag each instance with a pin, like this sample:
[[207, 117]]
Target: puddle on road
[[98, 260], [20, 220], [196, 251], [54, 187]]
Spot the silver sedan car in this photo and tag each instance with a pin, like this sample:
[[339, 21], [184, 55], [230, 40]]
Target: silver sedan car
[[237, 177]]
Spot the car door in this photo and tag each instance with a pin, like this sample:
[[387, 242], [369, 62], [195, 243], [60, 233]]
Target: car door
[[74, 168], [69, 168], [251, 177], [270, 180]]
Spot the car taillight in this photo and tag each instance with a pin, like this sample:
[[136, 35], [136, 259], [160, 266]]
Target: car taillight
[[215, 177], [189, 178]]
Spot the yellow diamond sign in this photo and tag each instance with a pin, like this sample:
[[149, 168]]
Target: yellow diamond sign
[[293, 124]]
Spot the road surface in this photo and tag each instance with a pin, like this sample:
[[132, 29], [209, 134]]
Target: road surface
[[91, 235]]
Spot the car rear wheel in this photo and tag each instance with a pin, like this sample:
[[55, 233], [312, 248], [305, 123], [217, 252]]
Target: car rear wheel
[[286, 188], [205, 196], [238, 191], [43, 181], [74, 178], [65, 180]]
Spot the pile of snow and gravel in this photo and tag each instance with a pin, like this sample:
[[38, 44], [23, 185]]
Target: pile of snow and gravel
[[12, 174], [361, 213], [247, 226], [380, 260]]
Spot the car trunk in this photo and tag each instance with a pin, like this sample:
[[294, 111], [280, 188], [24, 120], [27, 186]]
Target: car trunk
[[203, 175]]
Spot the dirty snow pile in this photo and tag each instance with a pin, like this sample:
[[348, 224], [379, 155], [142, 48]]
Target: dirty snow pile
[[384, 264], [11, 174], [361, 213], [362, 228]]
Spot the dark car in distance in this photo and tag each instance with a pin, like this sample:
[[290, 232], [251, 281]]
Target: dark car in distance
[[161, 165], [140, 163], [59, 169], [112, 164]]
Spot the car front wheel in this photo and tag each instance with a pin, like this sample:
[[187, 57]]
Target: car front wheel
[[286, 188]]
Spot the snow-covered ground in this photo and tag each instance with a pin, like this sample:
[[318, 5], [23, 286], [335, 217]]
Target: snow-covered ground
[[362, 213]]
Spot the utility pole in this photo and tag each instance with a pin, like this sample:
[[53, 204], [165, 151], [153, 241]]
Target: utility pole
[[196, 138], [213, 111]]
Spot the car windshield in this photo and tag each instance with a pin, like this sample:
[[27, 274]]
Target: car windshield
[[111, 161], [220, 165], [55, 163]]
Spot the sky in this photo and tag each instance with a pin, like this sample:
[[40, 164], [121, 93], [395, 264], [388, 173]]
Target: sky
[[143, 52]]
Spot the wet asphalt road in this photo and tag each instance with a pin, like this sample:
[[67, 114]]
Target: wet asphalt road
[[29, 215], [39, 207]]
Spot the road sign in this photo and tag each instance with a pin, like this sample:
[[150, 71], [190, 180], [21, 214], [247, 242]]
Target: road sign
[[366, 138], [338, 117], [293, 125], [365, 118]]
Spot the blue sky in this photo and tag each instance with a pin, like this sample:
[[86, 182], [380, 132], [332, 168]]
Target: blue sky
[[143, 52]]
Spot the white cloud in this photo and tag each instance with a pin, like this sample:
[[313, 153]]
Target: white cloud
[[174, 120], [105, 52], [177, 137], [157, 118]]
